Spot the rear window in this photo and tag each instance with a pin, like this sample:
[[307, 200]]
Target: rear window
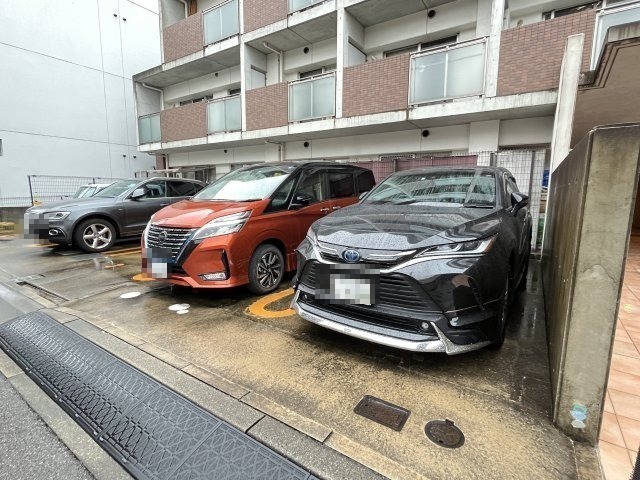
[[341, 184], [366, 181]]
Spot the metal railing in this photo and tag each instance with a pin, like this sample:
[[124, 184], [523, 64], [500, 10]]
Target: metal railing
[[220, 22], [52, 188], [611, 17], [149, 128], [313, 97], [297, 5], [224, 115], [453, 71]]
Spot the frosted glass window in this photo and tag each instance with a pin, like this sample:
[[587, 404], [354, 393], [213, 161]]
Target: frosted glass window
[[258, 79], [312, 99], [224, 115], [456, 72], [465, 75], [300, 4], [355, 56], [221, 22], [154, 122]]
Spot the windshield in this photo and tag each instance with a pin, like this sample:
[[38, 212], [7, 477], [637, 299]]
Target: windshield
[[246, 184], [117, 188], [85, 191], [457, 188]]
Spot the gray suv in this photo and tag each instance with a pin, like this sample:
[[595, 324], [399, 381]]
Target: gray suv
[[120, 210]]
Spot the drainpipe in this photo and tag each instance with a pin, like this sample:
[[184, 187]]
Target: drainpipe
[[280, 148], [186, 8], [157, 90], [280, 65]]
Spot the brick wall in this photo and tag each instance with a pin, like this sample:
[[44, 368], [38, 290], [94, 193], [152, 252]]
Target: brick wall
[[374, 87], [258, 13], [183, 123], [182, 38], [531, 55], [268, 107]]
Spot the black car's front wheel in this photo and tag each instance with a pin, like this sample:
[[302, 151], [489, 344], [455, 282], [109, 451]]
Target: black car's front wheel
[[266, 269], [94, 235], [501, 319]]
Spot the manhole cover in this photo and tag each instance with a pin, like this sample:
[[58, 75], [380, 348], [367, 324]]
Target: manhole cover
[[382, 412], [444, 433]]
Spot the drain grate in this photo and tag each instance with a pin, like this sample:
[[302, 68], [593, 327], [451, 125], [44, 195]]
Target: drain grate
[[150, 430], [382, 412], [444, 433]]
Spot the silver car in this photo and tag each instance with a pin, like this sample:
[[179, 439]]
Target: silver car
[[121, 210]]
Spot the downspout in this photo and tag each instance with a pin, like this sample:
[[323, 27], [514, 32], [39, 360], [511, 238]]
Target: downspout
[[186, 7], [157, 90], [279, 54]]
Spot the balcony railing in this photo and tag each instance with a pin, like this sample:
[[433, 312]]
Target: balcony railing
[[313, 97], [454, 71], [297, 5], [224, 115], [220, 22], [612, 17], [149, 128]]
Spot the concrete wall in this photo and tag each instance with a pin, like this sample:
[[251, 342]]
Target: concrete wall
[[586, 236], [216, 84], [66, 96]]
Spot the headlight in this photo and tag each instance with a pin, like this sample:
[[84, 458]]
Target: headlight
[[475, 247], [223, 225], [56, 215]]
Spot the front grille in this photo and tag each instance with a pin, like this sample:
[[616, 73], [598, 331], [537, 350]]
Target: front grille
[[175, 238], [395, 291]]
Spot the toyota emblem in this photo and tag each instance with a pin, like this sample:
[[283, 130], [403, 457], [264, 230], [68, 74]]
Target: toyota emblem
[[351, 256]]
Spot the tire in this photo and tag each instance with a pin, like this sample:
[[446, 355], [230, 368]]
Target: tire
[[266, 269], [502, 318], [94, 235]]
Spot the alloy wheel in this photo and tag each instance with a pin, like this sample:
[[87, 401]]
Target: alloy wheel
[[97, 236], [269, 270]]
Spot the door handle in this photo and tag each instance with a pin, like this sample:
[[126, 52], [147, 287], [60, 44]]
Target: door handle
[[164, 204], [324, 210], [337, 208]]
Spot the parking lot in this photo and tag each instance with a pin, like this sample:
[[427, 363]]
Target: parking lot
[[255, 349]]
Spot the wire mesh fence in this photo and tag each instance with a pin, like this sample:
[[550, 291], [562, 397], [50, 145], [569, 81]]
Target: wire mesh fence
[[52, 188]]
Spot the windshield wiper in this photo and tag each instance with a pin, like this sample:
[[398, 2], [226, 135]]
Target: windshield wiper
[[477, 205]]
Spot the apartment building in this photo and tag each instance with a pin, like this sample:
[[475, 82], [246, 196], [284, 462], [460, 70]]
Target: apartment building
[[67, 105], [414, 81]]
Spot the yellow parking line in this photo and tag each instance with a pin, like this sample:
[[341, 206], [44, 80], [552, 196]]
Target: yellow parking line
[[114, 265], [258, 308], [41, 245], [124, 254], [141, 277]]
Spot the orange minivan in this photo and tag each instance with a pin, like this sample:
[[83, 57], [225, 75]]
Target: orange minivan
[[243, 229]]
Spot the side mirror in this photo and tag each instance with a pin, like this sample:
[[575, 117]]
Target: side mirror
[[519, 200], [138, 193], [300, 200]]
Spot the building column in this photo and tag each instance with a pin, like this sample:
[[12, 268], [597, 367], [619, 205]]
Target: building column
[[493, 48], [341, 49]]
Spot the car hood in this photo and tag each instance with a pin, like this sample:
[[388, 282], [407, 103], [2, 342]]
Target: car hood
[[195, 214], [75, 203], [402, 227]]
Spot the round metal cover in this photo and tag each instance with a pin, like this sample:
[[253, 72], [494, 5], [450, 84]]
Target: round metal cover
[[444, 433]]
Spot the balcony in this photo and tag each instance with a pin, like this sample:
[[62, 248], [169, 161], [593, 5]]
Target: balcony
[[611, 17], [220, 22], [149, 128], [224, 115], [312, 98], [298, 5], [452, 72]]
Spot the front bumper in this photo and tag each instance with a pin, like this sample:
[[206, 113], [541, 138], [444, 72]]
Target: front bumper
[[446, 305], [38, 227]]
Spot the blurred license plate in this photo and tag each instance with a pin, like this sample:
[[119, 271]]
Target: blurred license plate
[[352, 285], [158, 262]]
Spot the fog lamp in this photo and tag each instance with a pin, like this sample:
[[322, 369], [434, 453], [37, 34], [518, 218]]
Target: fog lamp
[[214, 276], [425, 325]]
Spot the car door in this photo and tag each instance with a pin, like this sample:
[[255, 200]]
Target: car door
[[313, 188], [178, 190], [139, 210], [342, 188]]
